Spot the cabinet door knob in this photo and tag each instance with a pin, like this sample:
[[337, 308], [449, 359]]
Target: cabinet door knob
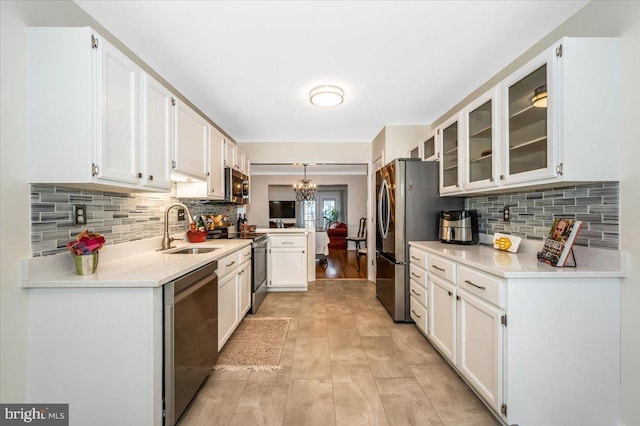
[[150, 177], [139, 175], [450, 294], [501, 177], [173, 164]]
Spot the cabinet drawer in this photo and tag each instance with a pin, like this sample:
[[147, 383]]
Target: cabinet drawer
[[442, 267], [418, 314], [486, 286], [419, 292], [288, 241], [245, 254], [418, 275], [418, 257], [228, 263]]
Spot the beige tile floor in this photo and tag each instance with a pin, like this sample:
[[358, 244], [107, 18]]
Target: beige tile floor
[[344, 362]]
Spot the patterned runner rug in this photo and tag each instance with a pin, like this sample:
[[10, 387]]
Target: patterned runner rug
[[256, 344]]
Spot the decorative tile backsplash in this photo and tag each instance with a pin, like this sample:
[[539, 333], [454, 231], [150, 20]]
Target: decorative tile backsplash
[[532, 214], [120, 217], [123, 217]]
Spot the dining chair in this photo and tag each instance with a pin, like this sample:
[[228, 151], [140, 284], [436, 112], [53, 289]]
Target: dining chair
[[362, 234]]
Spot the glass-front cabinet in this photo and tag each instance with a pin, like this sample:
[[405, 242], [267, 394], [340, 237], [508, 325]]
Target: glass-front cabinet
[[556, 120], [429, 148], [482, 152], [449, 133], [529, 152]]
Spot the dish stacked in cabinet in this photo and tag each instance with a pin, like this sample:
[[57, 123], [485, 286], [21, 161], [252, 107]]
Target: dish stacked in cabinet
[[234, 292]]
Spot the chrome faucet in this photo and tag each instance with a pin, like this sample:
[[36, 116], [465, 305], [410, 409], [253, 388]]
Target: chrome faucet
[[166, 239]]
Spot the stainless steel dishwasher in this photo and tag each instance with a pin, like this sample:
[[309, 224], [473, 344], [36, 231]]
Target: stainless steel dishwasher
[[190, 337]]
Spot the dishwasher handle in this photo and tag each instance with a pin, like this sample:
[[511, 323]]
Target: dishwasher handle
[[186, 292], [169, 357]]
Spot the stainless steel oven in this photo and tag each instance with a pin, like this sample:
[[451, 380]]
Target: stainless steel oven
[[190, 337], [259, 276], [236, 186]]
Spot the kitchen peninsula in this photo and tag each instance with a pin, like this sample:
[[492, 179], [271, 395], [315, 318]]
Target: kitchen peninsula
[[291, 258]]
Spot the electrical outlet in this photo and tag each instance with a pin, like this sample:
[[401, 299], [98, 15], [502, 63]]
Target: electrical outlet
[[506, 213], [79, 214], [181, 215]]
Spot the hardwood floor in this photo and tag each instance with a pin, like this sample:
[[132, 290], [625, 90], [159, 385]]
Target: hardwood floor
[[344, 362], [341, 264]]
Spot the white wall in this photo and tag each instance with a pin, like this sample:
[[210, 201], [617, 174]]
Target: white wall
[[397, 141], [14, 208], [258, 210], [613, 19], [307, 152], [400, 140]]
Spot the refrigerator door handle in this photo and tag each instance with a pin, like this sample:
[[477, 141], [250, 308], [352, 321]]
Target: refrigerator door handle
[[387, 200], [383, 199]]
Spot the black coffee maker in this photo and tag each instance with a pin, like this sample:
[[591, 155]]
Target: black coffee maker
[[459, 226]]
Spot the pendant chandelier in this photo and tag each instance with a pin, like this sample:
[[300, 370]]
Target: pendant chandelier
[[305, 190]]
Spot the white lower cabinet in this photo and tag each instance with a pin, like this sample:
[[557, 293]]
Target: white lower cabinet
[[228, 308], [537, 349], [442, 316], [418, 300], [287, 262], [245, 289], [480, 346], [418, 313], [234, 292]]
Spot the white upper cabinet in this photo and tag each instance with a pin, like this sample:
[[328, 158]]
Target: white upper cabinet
[[213, 188], [480, 141], [529, 94], [190, 142], [216, 165], [573, 134], [451, 157], [555, 120], [95, 118], [118, 97], [157, 132], [230, 152], [428, 148]]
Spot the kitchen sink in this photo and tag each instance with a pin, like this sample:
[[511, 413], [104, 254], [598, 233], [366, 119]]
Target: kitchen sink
[[193, 250]]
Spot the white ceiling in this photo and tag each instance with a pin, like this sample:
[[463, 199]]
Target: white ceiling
[[249, 65]]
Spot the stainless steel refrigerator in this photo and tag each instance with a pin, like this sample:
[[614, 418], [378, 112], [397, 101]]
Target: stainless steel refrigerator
[[408, 207]]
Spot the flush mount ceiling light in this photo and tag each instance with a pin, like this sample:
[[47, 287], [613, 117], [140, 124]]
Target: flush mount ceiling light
[[305, 190], [326, 96], [539, 98]]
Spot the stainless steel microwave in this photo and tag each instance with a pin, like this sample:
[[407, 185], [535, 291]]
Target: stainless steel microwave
[[236, 186]]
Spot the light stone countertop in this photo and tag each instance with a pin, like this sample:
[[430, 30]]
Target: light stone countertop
[[592, 263], [134, 264]]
